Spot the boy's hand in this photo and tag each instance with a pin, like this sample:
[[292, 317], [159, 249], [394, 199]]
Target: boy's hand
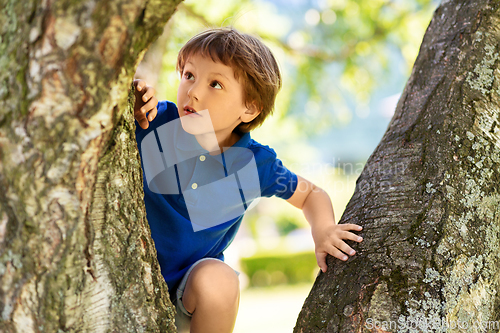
[[145, 103], [329, 240]]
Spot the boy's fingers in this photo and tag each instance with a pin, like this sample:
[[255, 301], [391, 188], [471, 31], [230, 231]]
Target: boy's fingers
[[139, 84], [350, 236], [350, 226], [152, 114], [150, 105], [143, 123], [141, 119], [150, 92], [335, 252], [346, 249], [321, 260]]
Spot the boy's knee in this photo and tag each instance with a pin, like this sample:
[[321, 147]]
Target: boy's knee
[[216, 276], [214, 280]]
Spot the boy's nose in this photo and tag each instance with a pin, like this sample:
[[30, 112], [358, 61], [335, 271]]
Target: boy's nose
[[193, 92]]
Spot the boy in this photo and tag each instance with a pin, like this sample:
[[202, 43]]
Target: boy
[[229, 82]]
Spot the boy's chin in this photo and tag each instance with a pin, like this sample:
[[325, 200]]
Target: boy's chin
[[196, 126], [206, 135], [199, 122]]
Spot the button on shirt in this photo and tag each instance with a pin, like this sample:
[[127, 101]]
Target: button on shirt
[[195, 201]]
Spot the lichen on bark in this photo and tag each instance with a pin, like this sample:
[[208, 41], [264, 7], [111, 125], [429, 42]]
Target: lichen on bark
[[65, 74], [122, 238], [431, 250]]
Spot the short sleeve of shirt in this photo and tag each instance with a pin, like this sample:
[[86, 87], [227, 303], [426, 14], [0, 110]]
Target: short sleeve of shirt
[[275, 178]]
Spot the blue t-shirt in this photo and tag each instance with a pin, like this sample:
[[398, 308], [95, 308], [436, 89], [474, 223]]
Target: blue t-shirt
[[195, 201]]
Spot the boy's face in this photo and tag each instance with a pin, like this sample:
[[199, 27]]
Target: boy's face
[[211, 89]]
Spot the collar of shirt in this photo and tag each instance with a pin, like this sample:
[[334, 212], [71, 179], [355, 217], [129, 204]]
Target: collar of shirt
[[187, 142]]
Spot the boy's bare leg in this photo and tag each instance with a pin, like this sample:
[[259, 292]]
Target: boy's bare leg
[[212, 295]]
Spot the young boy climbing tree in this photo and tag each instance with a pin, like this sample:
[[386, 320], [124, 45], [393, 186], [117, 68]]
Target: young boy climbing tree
[[202, 171]]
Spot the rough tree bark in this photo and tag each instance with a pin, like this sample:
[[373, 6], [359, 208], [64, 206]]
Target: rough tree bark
[[75, 250], [428, 197]]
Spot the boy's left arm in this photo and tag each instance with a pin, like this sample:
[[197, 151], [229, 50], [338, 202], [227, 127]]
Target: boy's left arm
[[327, 234]]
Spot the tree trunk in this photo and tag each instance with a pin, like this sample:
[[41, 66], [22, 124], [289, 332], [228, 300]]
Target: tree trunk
[[75, 247], [428, 197]]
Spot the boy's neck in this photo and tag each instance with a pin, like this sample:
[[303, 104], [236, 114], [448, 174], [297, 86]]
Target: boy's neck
[[214, 147]]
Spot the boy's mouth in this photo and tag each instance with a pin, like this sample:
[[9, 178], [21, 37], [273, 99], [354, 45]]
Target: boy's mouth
[[191, 111]]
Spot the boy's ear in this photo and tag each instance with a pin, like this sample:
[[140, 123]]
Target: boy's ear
[[251, 113]]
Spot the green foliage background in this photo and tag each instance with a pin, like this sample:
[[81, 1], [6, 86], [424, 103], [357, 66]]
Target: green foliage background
[[332, 52]]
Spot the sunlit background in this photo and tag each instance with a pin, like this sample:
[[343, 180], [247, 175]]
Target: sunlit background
[[344, 66]]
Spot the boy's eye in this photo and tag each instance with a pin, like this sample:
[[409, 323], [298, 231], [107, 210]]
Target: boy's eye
[[216, 85], [188, 75]]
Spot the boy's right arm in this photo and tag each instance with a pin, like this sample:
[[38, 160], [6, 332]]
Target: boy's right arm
[[329, 237], [145, 103]]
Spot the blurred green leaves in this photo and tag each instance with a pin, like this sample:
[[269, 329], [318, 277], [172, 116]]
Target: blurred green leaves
[[333, 53]]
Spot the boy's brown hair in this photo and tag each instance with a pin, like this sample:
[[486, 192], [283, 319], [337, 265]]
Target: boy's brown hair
[[253, 63]]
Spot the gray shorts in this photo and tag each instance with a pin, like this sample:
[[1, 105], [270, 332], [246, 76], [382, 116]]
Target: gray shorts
[[182, 286]]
